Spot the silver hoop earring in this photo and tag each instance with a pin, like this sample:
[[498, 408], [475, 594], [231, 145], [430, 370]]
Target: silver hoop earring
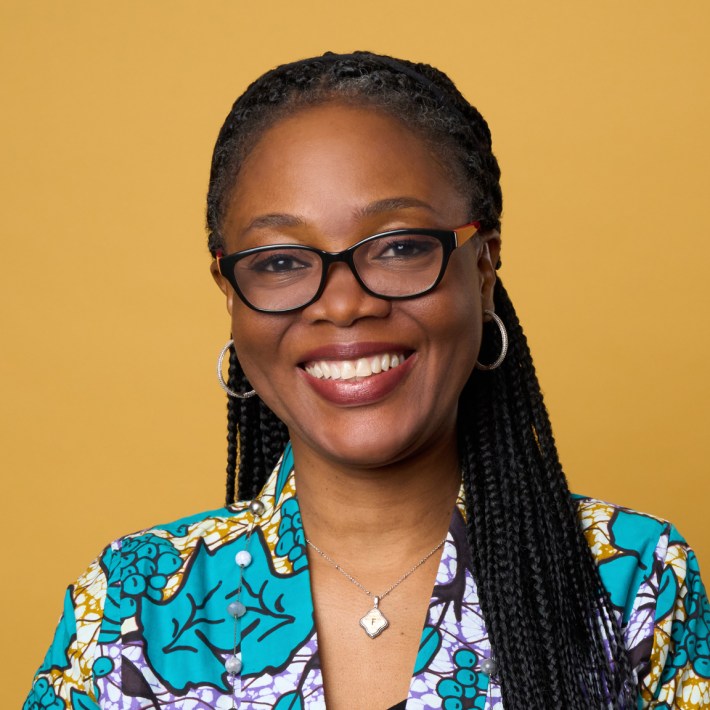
[[220, 377], [503, 341]]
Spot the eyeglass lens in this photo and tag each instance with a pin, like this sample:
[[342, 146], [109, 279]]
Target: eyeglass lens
[[282, 278]]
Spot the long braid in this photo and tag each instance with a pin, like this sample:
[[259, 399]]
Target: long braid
[[232, 432], [560, 605], [550, 620], [255, 438]]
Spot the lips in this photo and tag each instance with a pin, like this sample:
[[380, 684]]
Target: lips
[[355, 374]]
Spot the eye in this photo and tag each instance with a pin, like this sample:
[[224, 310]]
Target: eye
[[278, 262], [406, 247]]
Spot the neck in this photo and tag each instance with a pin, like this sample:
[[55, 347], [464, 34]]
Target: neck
[[404, 506]]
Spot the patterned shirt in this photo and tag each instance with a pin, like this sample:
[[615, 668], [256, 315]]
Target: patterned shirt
[[147, 626]]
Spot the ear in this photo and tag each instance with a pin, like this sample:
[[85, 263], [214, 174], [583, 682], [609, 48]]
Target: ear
[[487, 259], [223, 284]]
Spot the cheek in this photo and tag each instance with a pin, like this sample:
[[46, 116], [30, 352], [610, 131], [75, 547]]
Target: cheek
[[458, 320], [256, 339], [452, 329], [461, 334]]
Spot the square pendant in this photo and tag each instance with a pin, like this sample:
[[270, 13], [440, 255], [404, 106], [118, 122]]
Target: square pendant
[[374, 622]]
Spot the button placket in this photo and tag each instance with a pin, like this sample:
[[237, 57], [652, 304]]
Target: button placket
[[236, 609]]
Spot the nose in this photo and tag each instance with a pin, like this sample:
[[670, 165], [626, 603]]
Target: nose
[[344, 301]]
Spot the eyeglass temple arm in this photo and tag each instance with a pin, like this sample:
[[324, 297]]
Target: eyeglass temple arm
[[463, 234]]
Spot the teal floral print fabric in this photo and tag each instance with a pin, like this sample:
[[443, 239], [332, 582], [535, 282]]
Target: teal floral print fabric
[[147, 626]]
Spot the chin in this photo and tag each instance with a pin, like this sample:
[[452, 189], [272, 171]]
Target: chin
[[368, 448]]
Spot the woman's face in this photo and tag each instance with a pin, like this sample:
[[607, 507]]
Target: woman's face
[[327, 177]]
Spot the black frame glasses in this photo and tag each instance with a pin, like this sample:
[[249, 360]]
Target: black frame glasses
[[450, 240]]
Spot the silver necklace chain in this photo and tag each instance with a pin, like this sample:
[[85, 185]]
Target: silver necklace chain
[[379, 597]]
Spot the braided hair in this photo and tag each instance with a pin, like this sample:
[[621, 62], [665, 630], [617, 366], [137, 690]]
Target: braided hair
[[551, 623]]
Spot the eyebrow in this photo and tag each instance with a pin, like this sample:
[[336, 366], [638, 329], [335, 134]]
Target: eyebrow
[[389, 204], [275, 219]]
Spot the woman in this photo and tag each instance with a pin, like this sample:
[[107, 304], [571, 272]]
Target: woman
[[378, 368]]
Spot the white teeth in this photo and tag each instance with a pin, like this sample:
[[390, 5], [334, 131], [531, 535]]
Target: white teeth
[[347, 370], [350, 369], [363, 368]]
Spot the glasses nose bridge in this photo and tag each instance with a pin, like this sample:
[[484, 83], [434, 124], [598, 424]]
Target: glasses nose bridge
[[329, 258]]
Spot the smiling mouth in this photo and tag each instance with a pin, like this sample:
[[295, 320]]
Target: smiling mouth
[[359, 368]]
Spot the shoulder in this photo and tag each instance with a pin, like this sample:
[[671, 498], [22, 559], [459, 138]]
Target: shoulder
[[160, 552], [629, 547], [199, 525], [653, 579], [146, 567], [147, 563], [611, 529]]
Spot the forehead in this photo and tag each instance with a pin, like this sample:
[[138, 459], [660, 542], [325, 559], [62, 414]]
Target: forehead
[[325, 163]]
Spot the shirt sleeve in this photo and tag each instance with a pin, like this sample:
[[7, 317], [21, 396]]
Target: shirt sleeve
[[65, 678], [679, 668]]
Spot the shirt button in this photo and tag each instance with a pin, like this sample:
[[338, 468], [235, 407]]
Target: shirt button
[[243, 558], [488, 666], [237, 609], [257, 507], [233, 665]]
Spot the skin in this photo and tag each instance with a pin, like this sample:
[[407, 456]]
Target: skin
[[376, 482]]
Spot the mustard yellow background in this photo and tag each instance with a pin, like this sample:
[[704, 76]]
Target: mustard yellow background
[[111, 417]]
